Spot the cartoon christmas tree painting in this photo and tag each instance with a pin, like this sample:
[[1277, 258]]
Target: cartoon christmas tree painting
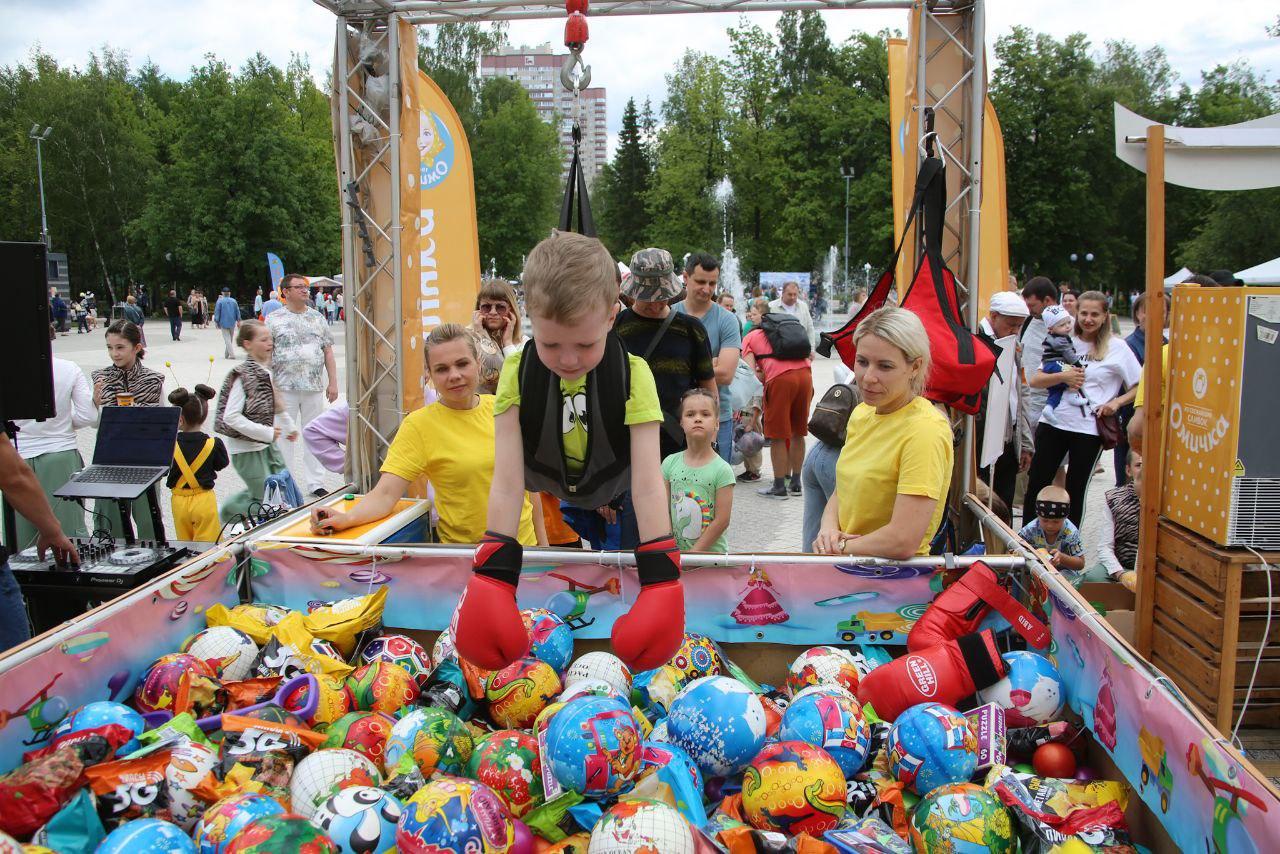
[[759, 605]]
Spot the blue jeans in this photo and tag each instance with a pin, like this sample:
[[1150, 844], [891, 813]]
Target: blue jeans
[[14, 628], [724, 440], [622, 535], [175, 327], [818, 478]]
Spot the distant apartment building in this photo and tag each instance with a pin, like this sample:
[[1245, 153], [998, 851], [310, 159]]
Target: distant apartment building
[[537, 70]]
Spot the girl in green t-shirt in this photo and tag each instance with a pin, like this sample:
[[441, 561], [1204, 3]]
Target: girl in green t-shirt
[[699, 482]]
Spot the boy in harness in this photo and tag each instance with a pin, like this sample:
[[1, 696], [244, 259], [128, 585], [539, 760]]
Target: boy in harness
[[578, 417], [197, 459]]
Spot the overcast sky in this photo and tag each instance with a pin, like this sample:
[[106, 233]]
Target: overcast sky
[[629, 56]]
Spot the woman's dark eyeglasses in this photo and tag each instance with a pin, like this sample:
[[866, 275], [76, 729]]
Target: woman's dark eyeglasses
[[494, 308]]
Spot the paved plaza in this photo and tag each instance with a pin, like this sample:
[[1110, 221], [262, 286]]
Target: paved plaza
[[759, 524]]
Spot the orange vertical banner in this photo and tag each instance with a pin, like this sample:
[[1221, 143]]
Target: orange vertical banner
[[446, 280], [411, 367]]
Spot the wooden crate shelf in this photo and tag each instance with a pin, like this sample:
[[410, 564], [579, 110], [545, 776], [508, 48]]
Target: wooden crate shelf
[[1209, 619]]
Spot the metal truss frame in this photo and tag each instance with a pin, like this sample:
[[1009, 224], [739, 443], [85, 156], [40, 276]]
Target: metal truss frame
[[370, 226]]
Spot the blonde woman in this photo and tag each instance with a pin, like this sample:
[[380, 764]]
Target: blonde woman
[[450, 443], [496, 324], [894, 471], [1106, 380]]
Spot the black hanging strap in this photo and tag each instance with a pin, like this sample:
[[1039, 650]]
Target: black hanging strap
[[576, 201]]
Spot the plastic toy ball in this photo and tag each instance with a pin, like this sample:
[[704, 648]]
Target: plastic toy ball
[[793, 787], [962, 811], [451, 814], [833, 722], [146, 836], [381, 687], [507, 761], [102, 713], [519, 691], [550, 638], [641, 825], [227, 817], [281, 834], [823, 665], [593, 746], [178, 675], [229, 651], [1054, 760], [600, 665], [931, 745], [434, 738], [316, 776], [402, 651], [363, 732], [720, 722], [1032, 693], [360, 819]]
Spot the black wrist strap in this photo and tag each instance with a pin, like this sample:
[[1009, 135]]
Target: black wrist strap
[[658, 561], [499, 557], [977, 657]]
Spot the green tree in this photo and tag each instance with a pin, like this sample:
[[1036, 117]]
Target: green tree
[[450, 55], [622, 188], [805, 54], [517, 167]]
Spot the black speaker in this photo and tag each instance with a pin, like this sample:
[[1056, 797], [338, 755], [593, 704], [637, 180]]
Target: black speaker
[[26, 390]]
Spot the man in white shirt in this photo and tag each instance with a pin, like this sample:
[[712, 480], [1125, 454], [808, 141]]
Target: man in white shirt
[[49, 447], [791, 303], [1039, 294]]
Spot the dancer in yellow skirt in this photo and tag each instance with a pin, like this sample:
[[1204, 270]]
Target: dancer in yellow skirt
[[197, 459]]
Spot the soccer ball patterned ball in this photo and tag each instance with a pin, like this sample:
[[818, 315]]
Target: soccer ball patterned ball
[[600, 665], [364, 732], [931, 745], [550, 639], [793, 787], [593, 746], [833, 722], [637, 825], [360, 820], [327, 649], [720, 722], [281, 834], [381, 687], [1033, 692], [434, 739], [402, 651], [227, 817], [320, 775], [229, 651], [507, 762], [454, 815], [519, 691], [962, 811], [823, 665]]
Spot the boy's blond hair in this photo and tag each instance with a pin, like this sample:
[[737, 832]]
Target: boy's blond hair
[[1054, 493], [566, 275]]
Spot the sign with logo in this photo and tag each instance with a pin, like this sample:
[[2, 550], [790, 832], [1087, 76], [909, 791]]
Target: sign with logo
[[922, 676]]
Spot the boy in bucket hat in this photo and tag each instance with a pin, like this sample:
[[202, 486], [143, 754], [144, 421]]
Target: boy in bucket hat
[[578, 417]]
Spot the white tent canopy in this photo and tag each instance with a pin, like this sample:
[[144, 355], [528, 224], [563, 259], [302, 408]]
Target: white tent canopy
[[1178, 277], [1266, 273]]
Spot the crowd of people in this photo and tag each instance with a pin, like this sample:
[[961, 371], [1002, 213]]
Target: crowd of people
[[673, 364]]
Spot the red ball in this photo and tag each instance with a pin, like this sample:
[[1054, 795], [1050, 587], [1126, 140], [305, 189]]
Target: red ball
[[1054, 760]]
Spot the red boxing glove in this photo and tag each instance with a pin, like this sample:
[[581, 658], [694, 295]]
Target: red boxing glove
[[947, 673], [487, 628], [962, 607], [649, 634]]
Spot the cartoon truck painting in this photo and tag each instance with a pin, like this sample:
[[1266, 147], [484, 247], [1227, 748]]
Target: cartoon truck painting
[[886, 627], [1154, 764]]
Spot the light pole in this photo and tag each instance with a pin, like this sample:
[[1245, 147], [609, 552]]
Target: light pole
[[846, 172], [40, 136], [1082, 260]]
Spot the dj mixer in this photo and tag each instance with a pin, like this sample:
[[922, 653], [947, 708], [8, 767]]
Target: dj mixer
[[103, 564]]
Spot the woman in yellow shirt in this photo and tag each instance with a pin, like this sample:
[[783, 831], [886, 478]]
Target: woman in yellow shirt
[[895, 469], [450, 442]]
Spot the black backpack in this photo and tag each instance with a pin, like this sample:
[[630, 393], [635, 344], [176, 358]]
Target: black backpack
[[830, 419], [787, 336]]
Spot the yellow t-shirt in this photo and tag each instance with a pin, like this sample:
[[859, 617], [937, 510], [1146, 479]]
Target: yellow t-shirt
[[642, 405], [1138, 401], [907, 452], [454, 449]]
